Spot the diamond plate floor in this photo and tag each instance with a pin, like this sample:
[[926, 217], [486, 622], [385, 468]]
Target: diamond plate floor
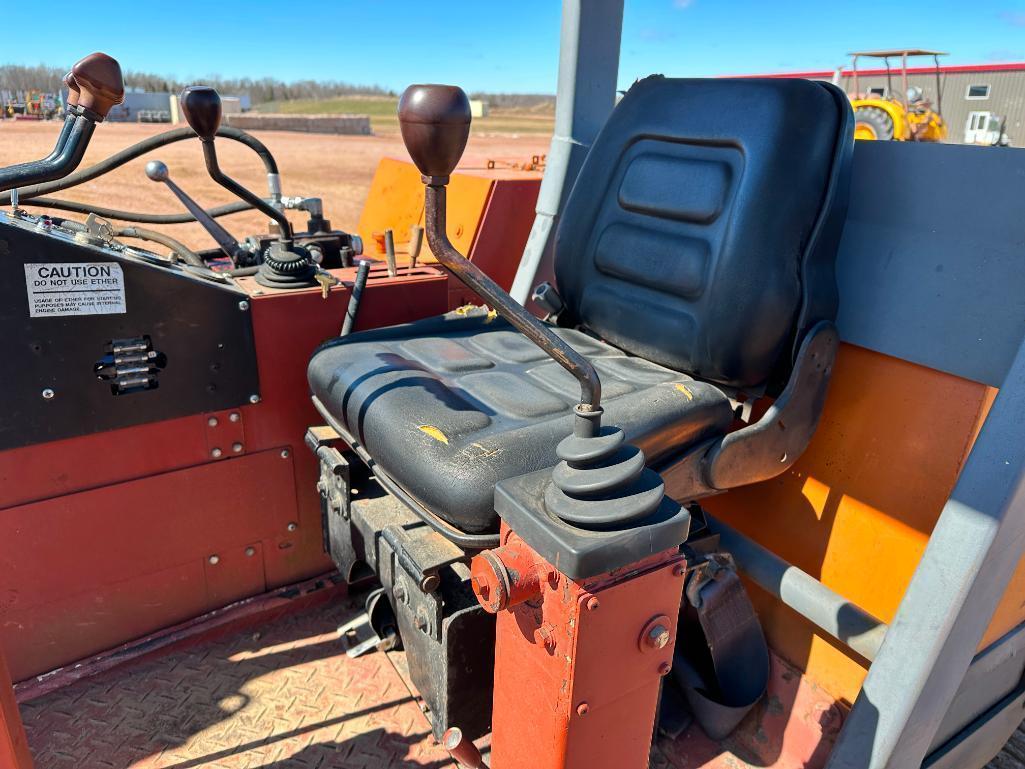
[[283, 698]]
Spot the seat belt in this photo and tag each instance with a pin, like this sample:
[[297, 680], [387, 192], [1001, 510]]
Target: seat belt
[[722, 659]]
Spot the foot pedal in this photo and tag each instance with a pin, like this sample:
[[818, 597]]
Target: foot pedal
[[373, 630]]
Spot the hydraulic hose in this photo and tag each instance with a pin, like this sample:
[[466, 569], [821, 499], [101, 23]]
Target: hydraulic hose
[[183, 252], [132, 216], [118, 159]]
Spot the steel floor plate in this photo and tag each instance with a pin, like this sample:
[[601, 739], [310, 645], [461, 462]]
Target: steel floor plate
[[287, 697]]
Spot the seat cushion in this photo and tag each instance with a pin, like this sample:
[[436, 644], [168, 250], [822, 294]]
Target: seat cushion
[[449, 406]]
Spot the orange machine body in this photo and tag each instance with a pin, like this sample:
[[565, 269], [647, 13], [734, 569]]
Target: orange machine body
[[490, 212], [576, 682]]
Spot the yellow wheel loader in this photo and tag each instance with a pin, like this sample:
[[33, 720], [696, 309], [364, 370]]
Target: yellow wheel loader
[[884, 117]]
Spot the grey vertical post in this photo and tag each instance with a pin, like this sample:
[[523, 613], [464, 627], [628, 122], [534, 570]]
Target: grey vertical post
[[964, 571], [588, 69]]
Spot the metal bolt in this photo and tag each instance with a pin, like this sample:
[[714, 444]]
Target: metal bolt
[[582, 709], [214, 560], [292, 526], [236, 447], [679, 570], [250, 552], [400, 593], [593, 603], [243, 305], [664, 669], [212, 422], [430, 583], [234, 416], [216, 453], [285, 453], [254, 399], [48, 394], [657, 637]]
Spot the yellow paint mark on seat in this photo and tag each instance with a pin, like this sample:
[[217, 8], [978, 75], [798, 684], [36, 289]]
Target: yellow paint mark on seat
[[434, 432], [492, 314], [684, 390]]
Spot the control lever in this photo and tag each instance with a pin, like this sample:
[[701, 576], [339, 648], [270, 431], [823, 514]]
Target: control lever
[[601, 481], [435, 124], [157, 172], [99, 87], [285, 265]]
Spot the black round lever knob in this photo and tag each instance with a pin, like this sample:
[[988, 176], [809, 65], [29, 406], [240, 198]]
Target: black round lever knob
[[435, 124], [201, 106]]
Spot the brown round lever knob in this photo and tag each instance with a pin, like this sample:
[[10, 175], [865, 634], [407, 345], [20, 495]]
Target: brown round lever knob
[[100, 83], [435, 124], [73, 92], [201, 106]]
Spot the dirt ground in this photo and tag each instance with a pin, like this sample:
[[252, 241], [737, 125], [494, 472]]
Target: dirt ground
[[337, 169]]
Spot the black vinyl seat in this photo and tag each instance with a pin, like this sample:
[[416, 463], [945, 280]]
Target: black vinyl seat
[[450, 406], [696, 249]]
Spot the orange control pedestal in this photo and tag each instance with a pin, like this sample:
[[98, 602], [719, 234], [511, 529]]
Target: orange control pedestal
[[578, 663]]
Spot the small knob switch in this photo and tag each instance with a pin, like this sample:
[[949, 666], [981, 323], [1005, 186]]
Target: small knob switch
[[100, 83], [201, 106], [435, 124]]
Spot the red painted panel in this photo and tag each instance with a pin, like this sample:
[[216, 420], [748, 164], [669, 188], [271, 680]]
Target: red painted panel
[[85, 571]]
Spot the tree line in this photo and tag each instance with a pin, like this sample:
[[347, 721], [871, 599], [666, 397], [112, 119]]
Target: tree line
[[16, 77]]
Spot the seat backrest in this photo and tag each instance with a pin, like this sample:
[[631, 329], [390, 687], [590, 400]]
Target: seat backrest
[[702, 229]]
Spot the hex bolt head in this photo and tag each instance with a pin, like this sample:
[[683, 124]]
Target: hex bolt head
[[292, 526], [583, 708], [250, 552], [664, 669], [254, 399], [285, 453], [48, 394], [234, 416], [212, 422], [216, 453], [213, 560], [593, 603], [657, 637], [236, 447], [243, 305]]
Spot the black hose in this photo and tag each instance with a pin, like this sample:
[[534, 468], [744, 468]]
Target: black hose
[[118, 159], [132, 216], [183, 252]]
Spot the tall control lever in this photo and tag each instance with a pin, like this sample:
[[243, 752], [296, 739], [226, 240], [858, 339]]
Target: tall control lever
[[601, 481], [95, 86], [285, 265], [157, 172], [435, 124]]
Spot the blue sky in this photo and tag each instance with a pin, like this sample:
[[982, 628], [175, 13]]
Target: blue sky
[[497, 45]]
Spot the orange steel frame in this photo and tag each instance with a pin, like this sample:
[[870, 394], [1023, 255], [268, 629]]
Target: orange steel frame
[[577, 673]]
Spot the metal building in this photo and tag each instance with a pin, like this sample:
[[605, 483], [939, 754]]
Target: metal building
[[972, 97]]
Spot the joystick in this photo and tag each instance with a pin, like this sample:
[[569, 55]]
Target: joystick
[[601, 481], [285, 265]]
